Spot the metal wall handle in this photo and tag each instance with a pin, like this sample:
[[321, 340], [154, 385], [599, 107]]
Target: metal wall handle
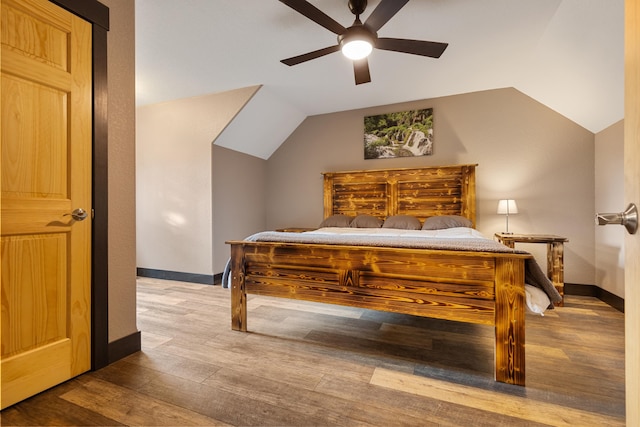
[[628, 218]]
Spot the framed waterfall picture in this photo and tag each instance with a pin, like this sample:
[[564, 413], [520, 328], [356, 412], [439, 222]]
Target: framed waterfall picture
[[404, 134]]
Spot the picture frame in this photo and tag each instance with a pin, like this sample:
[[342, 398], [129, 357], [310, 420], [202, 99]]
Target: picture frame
[[401, 134]]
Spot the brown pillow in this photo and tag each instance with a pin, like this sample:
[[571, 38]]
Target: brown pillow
[[405, 222], [337, 220], [366, 221], [446, 221]]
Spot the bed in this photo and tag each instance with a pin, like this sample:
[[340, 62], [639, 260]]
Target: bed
[[459, 278]]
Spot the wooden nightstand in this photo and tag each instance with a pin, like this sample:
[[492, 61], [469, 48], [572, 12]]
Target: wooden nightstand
[[555, 254]]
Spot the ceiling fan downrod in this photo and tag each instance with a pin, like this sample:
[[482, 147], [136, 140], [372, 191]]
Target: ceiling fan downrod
[[357, 7]]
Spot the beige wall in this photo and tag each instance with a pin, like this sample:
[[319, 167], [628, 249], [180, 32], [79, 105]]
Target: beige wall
[[174, 179], [609, 197], [524, 151], [239, 199], [121, 157]]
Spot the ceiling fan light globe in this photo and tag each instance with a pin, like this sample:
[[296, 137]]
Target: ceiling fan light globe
[[356, 49]]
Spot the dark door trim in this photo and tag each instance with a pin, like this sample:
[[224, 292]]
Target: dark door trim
[[98, 15]]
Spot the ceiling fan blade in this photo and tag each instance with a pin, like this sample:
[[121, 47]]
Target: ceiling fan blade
[[316, 15], [361, 71], [383, 13], [415, 47], [311, 55]]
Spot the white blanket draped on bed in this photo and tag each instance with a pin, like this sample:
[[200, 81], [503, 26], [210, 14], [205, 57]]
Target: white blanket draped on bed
[[457, 238]]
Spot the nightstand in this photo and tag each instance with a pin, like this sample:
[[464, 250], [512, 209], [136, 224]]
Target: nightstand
[[555, 254]]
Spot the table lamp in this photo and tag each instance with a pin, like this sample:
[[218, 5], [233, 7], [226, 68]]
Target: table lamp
[[507, 207]]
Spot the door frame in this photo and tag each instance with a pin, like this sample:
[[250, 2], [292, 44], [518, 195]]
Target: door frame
[[97, 15]]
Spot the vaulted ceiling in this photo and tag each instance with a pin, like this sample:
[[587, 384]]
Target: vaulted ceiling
[[566, 54]]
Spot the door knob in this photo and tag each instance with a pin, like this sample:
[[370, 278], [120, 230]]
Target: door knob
[[78, 214], [628, 218]]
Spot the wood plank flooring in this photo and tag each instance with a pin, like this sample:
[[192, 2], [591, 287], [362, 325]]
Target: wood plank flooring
[[307, 364]]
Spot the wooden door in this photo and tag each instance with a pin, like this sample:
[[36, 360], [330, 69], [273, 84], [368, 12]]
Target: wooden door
[[46, 133], [632, 195]]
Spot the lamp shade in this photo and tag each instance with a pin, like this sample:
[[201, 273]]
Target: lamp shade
[[507, 207]]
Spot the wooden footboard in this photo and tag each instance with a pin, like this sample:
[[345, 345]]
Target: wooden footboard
[[473, 287]]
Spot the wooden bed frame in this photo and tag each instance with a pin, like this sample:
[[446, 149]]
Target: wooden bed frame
[[474, 287]]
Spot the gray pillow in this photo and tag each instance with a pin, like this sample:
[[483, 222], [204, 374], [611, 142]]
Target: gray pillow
[[446, 221], [337, 220], [405, 222], [366, 221]]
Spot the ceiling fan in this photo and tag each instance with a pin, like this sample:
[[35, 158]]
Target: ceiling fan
[[357, 41]]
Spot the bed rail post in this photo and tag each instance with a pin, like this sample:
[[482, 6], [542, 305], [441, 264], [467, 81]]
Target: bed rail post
[[238, 290], [510, 315], [468, 187], [328, 195]]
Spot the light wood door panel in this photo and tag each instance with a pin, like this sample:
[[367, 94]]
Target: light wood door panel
[[632, 195], [46, 174]]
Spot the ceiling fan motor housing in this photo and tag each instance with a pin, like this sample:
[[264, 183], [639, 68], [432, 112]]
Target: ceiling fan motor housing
[[357, 32]]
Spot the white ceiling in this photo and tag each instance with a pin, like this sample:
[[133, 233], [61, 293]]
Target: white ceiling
[[566, 54]]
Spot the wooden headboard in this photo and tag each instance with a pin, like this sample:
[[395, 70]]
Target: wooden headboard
[[420, 192]]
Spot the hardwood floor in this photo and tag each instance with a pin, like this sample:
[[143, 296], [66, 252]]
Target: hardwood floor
[[306, 364]]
